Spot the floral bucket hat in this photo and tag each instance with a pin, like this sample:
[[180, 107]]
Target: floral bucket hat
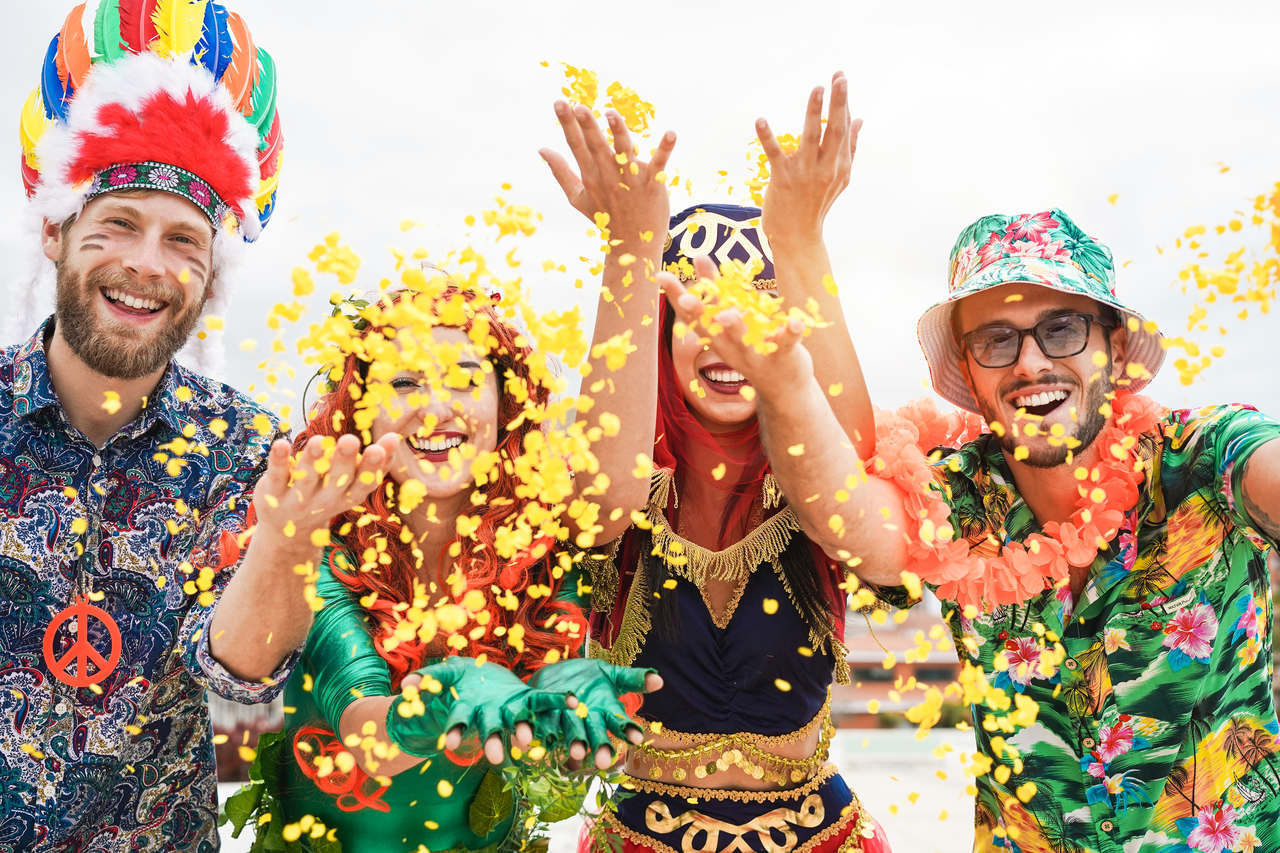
[[1046, 249]]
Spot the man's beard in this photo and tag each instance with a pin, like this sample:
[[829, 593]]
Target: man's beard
[[122, 352], [1089, 423]]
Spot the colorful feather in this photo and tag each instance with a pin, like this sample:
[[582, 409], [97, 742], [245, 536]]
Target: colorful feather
[[179, 24], [215, 47], [242, 76], [51, 87], [137, 30], [73, 52], [31, 127], [269, 150], [264, 97], [106, 32]]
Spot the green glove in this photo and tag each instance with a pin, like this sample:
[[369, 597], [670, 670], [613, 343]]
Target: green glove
[[482, 699], [597, 686]]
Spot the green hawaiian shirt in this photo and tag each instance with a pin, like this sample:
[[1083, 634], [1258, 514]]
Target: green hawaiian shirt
[[1156, 726]]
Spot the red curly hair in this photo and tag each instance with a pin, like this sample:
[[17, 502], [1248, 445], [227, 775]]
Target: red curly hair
[[548, 624]]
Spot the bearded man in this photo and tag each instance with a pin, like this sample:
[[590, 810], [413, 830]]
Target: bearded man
[[128, 480], [1101, 560]]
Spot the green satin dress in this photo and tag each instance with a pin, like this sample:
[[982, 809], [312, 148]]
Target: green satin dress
[[340, 658]]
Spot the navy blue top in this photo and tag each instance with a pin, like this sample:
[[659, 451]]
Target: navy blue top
[[726, 680]]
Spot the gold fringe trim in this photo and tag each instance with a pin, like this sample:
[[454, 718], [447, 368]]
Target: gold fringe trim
[[855, 819], [661, 482], [697, 564], [635, 624], [841, 653], [648, 786]]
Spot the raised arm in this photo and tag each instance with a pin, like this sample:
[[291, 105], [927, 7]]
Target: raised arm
[[850, 516], [802, 187], [626, 195]]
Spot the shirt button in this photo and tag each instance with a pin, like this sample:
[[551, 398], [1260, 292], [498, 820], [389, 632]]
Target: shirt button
[[97, 460], [1070, 663], [1089, 743], [1107, 826], [61, 707]]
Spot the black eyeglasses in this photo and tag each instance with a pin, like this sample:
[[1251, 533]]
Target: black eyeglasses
[[1059, 336]]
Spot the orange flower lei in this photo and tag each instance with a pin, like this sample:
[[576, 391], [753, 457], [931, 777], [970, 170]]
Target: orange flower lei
[[1021, 569]]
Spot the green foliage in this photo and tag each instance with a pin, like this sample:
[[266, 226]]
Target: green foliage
[[256, 804], [491, 805]]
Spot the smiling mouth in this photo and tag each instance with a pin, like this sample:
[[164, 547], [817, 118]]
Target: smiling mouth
[[131, 304], [1042, 403], [724, 380], [436, 444]]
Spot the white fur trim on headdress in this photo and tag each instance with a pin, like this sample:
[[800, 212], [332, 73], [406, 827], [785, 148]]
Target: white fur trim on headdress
[[130, 82]]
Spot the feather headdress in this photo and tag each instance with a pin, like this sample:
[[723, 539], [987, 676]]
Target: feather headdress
[[167, 95]]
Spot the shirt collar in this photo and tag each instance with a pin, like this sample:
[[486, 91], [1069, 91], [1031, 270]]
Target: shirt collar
[[33, 388]]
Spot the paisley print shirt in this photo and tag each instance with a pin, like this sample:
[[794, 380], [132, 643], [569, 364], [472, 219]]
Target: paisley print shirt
[[147, 527], [1155, 730]]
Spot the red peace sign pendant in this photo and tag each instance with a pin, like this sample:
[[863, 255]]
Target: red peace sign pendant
[[82, 653]]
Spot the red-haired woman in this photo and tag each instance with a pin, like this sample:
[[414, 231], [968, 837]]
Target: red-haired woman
[[718, 588], [427, 637]]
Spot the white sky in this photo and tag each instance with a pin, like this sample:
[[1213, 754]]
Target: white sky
[[395, 109]]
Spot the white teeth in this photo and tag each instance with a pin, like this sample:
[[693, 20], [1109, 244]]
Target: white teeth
[[435, 445], [725, 376], [1044, 398], [133, 301]]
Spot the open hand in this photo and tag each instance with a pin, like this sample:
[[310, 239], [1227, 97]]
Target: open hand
[[611, 179], [805, 183]]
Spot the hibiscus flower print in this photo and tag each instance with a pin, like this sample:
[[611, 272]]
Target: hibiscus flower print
[[1248, 841], [995, 248], [1114, 741], [1023, 658], [1190, 635], [122, 175], [1215, 830], [963, 263], [1050, 250], [1031, 226], [1252, 619], [1248, 653], [1113, 639], [199, 192]]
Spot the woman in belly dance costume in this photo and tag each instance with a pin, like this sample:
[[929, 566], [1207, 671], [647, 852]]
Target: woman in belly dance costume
[[716, 588], [379, 705]]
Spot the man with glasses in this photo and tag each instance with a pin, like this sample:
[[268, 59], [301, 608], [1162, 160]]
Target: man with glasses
[[1100, 558]]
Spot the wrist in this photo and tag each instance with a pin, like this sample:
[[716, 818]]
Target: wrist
[[787, 374], [416, 744], [285, 552], [798, 238]]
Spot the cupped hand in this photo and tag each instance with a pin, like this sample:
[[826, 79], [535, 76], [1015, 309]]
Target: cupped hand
[[309, 489], [463, 698], [595, 689], [769, 372]]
